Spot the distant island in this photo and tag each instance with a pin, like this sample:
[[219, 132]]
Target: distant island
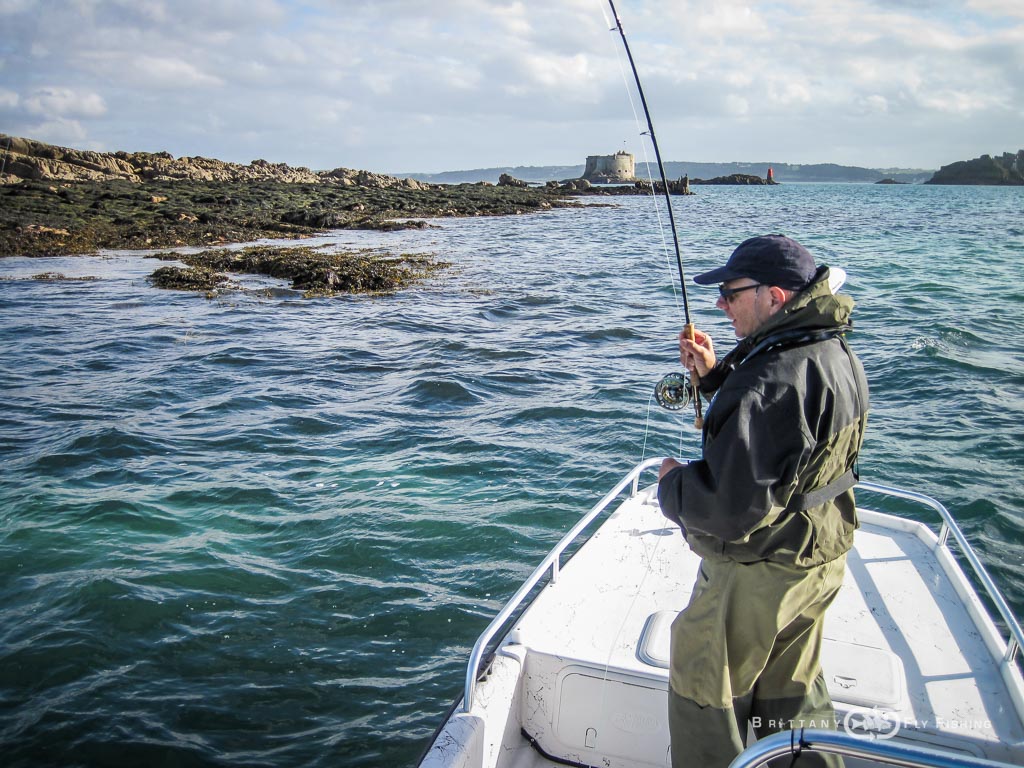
[[1006, 170], [1003, 170], [783, 172]]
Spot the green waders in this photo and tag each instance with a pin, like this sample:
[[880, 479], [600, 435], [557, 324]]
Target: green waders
[[746, 651]]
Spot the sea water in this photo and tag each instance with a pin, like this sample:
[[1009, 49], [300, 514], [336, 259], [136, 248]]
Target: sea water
[[264, 530]]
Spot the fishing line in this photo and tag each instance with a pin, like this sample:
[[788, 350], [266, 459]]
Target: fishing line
[[647, 429], [677, 383], [666, 394], [673, 392], [647, 161]]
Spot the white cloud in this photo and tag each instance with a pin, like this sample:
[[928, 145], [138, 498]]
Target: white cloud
[[873, 104], [737, 106], [57, 102], [730, 20], [380, 83], [150, 10], [514, 19], [784, 92], [401, 84], [61, 131], [569, 74], [960, 103], [10, 7], [286, 52], [169, 72], [457, 74], [1008, 8]]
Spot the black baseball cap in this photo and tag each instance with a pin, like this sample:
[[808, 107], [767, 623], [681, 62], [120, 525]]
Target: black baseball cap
[[768, 259]]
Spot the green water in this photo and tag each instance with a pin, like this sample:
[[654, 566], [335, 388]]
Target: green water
[[266, 531]]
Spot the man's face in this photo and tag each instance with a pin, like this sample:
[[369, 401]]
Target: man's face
[[746, 303]]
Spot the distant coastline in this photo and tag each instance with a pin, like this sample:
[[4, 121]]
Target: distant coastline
[[58, 200], [783, 172], [1006, 169]]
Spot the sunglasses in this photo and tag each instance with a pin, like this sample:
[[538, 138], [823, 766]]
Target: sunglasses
[[730, 293]]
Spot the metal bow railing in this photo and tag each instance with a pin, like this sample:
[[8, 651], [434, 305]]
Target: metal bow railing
[[552, 561], [848, 745]]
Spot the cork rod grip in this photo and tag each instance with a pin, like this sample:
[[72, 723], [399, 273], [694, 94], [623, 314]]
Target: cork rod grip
[[698, 421]]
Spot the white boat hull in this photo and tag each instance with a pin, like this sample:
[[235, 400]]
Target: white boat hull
[[910, 656]]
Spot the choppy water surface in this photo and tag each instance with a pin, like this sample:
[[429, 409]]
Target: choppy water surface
[[263, 530]]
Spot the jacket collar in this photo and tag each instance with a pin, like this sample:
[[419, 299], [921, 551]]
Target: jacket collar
[[815, 308]]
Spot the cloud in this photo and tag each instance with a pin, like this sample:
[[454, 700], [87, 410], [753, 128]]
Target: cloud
[[11, 7], [1007, 8], [568, 74], [56, 102], [62, 132], [402, 84], [168, 72]]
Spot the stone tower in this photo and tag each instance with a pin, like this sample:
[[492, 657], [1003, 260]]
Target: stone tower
[[606, 169]]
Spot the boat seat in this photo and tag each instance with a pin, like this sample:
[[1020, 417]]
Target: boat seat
[[856, 675]]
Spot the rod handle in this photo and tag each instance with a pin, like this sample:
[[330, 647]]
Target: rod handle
[[698, 421]]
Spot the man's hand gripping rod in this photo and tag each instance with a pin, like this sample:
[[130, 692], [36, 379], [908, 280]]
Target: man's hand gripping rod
[[698, 419]]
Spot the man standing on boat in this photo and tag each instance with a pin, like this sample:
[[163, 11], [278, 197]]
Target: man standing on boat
[[769, 507]]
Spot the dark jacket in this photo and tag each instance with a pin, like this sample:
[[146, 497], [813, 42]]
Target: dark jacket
[[787, 420]]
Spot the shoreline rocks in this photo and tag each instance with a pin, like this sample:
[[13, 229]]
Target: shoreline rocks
[[42, 218], [26, 159], [61, 201]]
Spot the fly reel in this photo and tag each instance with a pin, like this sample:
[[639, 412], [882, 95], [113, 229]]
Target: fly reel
[[674, 392]]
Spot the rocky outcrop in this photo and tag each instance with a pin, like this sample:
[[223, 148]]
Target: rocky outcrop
[[25, 159], [162, 166], [28, 159], [1007, 170], [351, 178], [506, 180], [676, 187], [570, 185], [741, 179]]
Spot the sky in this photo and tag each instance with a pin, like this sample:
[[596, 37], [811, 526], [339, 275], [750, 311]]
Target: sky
[[423, 86]]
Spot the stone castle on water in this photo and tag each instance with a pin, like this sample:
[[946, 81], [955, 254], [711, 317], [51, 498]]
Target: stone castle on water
[[620, 168], [609, 169]]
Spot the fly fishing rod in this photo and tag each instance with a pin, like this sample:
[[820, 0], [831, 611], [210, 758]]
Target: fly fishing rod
[[673, 391]]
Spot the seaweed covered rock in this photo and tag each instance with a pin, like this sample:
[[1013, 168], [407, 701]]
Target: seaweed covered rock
[[38, 218], [188, 278], [735, 179], [316, 272], [316, 218]]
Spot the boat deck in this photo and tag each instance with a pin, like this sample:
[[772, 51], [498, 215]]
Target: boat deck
[[584, 672]]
